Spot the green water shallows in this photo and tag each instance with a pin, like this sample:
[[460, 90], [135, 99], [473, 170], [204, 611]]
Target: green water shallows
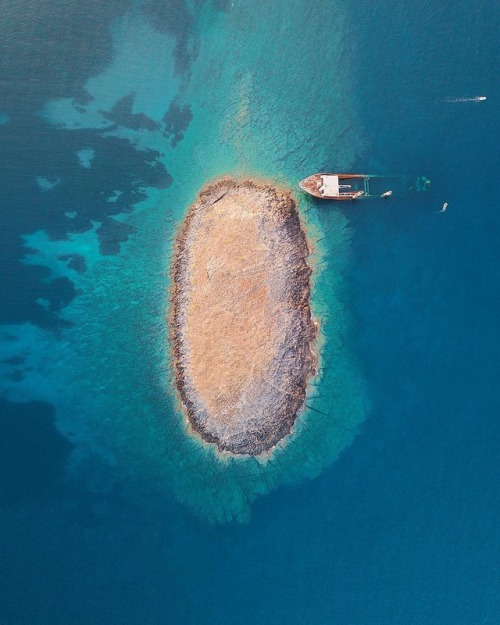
[[254, 113]]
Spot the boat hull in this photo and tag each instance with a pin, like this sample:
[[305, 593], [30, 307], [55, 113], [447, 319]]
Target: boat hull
[[315, 187]]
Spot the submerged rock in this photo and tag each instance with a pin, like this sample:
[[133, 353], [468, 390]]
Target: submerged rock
[[241, 328]]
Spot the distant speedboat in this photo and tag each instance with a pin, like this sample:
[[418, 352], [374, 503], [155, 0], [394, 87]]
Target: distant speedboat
[[476, 98], [332, 186]]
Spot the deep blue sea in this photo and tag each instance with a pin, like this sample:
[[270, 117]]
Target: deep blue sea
[[384, 507]]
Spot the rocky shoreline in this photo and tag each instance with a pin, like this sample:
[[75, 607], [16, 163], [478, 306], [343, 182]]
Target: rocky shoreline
[[240, 324]]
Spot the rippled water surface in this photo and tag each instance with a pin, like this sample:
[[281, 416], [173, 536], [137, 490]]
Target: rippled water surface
[[381, 508]]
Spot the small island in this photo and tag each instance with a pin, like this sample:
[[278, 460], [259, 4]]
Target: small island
[[241, 330]]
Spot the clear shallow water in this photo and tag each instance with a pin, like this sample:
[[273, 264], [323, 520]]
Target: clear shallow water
[[402, 527], [128, 420]]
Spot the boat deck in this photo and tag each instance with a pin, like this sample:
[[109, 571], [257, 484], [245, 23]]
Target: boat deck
[[329, 186], [334, 186]]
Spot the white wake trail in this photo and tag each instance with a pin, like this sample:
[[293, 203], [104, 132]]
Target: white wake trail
[[477, 98]]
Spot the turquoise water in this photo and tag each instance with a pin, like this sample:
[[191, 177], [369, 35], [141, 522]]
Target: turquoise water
[[381, 508]]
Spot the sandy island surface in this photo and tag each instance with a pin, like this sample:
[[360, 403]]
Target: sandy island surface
[[241, 328]]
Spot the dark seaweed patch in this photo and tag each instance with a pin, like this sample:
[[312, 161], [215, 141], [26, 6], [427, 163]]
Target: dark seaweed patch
[[59, 292], [51, 153], [177, 120], [68, 42], [111, 233], [75, 262], [15, 361], [122, 115]]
